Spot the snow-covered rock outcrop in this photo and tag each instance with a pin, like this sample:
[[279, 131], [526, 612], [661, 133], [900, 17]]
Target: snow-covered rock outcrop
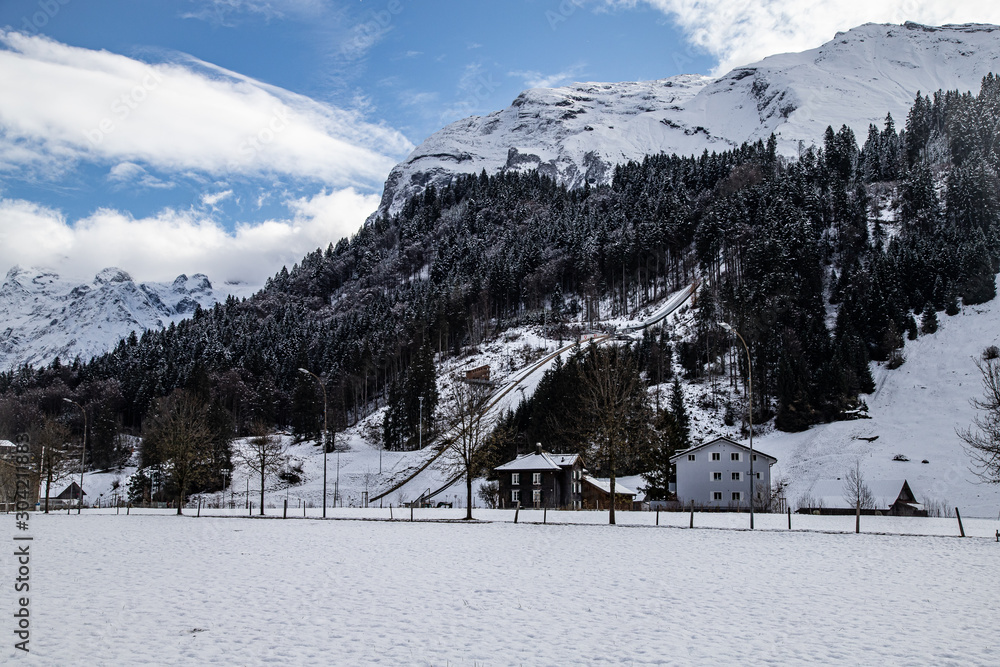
[[578, 133]]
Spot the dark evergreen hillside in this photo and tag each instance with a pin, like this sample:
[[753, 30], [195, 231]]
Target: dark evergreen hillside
[[773, 243]]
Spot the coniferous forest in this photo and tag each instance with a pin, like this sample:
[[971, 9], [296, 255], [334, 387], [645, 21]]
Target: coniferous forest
[[824, 263]]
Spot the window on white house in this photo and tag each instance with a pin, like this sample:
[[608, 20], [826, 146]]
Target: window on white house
[[736, 477], [515, 496], [754, 457], [735, 456], [536, 496], [716, 456], [717, 495], [716, 476], [536, 478], [690, 457], [758, 475], [737, 495], [515, 478]]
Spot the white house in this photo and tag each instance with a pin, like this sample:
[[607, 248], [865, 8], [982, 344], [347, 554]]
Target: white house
[[716, 474]]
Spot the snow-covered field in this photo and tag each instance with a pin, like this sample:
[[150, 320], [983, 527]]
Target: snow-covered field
[[155, 589]]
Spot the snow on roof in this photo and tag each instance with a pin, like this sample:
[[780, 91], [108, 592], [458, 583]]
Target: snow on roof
[[7, 444], [605, 486], [830, 492], [728, 442], [565, 459], [535, 461]]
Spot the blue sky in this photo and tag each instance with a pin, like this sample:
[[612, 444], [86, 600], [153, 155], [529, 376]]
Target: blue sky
[[233, 136]]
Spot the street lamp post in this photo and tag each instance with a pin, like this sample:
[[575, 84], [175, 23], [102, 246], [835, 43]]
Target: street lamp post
[[727, 327], [420, 437], [83, 450], [323, 435]]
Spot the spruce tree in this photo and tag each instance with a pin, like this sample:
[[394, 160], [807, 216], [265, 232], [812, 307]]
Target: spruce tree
[[928, 321]]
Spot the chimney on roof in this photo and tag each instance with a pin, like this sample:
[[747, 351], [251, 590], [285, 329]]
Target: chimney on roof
[[538, 448]]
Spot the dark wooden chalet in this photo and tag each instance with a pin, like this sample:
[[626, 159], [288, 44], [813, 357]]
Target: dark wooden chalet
[[542, 479]]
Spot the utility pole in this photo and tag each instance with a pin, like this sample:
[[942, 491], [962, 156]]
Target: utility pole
[[421, 435], [727, 327]]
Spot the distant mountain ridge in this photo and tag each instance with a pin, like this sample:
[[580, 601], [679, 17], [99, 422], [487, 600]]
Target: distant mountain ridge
[[577, 133], [43, 316]]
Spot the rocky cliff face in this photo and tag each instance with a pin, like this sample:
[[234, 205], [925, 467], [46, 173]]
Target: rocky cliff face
[[577, 133]]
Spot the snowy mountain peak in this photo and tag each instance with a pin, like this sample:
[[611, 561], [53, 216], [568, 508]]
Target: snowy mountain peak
[[577, 133], [112, 275], [45, 316]]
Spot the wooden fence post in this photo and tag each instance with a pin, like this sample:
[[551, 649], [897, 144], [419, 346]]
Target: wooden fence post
[[517, 510], [691, 525], [390, 511], [411, 512], [789, 518], [657, 516], [284, 513], [199, 506], [128, 509], [545, 515], [961, 528]]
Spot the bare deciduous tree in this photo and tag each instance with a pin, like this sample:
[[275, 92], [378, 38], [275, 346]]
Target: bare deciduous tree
[[468, 446], [618, 405], [178, 430], [857, 494], [57, 458], [983, 443], [264, 453]]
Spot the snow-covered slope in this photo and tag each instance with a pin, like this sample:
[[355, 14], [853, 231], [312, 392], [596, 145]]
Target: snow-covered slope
[[915, 411], [43, 316], [578, 133]]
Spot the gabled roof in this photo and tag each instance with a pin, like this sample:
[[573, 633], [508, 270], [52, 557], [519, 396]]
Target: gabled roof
[[829, 493], [71, 492], [534, 461], [713, 441], [605, 486]]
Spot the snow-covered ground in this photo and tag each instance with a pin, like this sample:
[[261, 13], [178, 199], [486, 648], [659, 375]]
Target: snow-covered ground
[[154, 589]]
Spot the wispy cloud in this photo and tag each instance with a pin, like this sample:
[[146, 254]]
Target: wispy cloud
[[229, 12], [131, 174], [63, 105], [534, 79], [172, 242], [738, 33]]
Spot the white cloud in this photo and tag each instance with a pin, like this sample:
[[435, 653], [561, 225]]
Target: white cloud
[[64, 104], [174, 242], [738, 33], [210, 200], [130, 173], [533, 79]]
